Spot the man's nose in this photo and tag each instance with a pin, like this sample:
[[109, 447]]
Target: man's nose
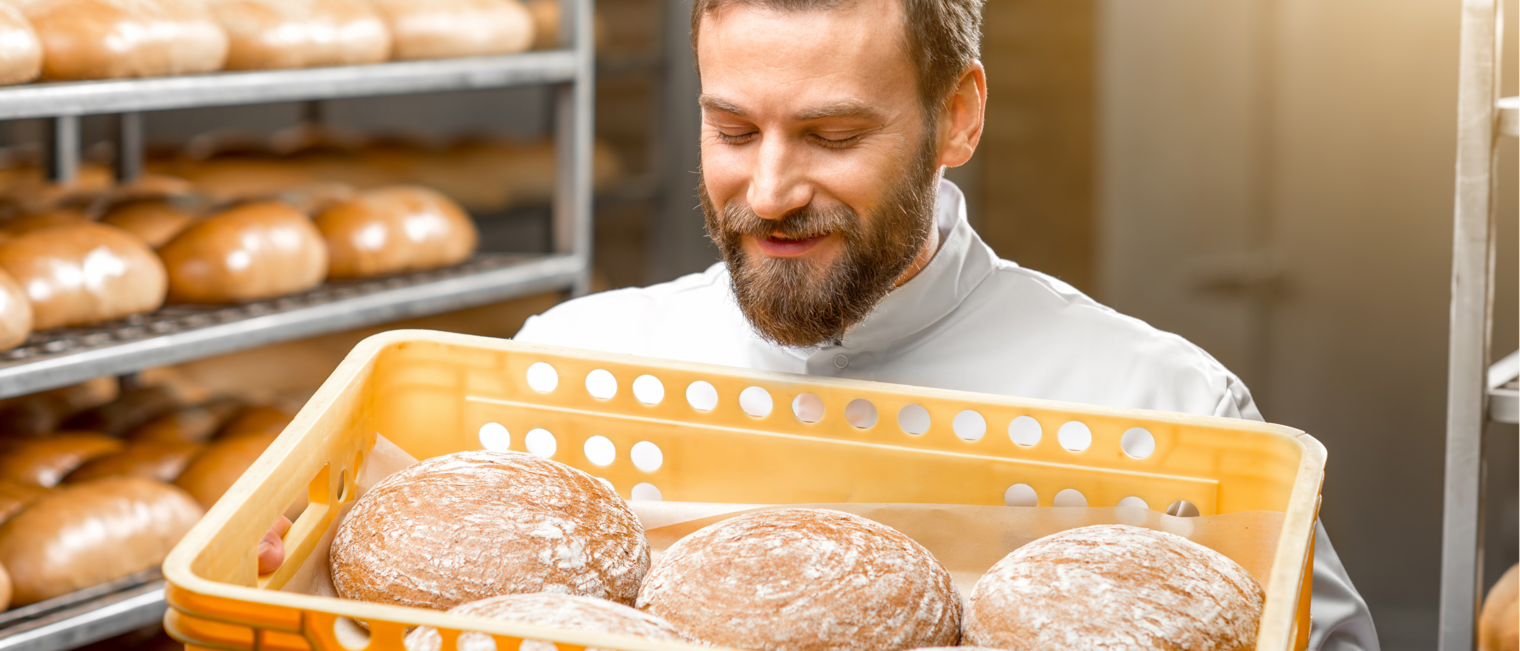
[[777, 183]]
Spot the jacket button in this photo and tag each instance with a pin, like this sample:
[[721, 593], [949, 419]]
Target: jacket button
[[840, 361]]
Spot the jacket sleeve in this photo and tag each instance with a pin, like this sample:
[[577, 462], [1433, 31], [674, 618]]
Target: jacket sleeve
[[1340, 618]]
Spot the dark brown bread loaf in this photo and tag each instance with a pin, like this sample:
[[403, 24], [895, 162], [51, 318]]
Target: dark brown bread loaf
[[90, 533], [1115, 587], [804, 579], [563, 611], [419, 537]]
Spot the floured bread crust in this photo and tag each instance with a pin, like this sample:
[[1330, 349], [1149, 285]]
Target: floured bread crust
[[466, 526], [804, 579], [1115, 587], [547, 609]]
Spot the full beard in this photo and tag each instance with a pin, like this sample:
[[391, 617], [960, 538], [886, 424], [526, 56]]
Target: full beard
[[801, 303]]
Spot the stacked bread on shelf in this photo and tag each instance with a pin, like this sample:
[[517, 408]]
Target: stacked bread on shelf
[[232, 228], [107, 39], [98, 483]]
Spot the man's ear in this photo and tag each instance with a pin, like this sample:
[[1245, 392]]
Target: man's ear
[[961, 125]]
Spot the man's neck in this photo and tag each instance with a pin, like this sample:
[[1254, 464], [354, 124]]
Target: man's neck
[[925, 254]]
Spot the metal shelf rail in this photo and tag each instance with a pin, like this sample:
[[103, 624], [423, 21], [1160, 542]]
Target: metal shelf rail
[[1477, 393], [60, 357]]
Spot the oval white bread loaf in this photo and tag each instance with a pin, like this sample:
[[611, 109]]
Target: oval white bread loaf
[[163, 461], [1115, 586], [20, 51], [101, 39], [804, 579], [418, 537], [269, 34], [75, 275], [394, 230], [15, 496], [44, 462], [220, 464], [250, 252], [255, 420], [568, 612], [15, 312], [154, 221], [1499, 623], [86, 534], [193, 424], [441, 29]]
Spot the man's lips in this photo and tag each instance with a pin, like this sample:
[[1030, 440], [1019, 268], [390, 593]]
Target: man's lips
[[781, 247]]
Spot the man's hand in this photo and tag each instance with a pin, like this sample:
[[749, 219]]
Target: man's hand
[[272, 547]]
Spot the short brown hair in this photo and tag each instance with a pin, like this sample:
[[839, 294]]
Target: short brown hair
[[944, 37]]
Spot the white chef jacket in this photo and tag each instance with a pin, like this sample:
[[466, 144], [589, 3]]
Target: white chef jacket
[[967, 321]]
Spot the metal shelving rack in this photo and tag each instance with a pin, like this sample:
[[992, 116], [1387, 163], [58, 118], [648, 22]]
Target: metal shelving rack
[[1477, 392], [179, 333]]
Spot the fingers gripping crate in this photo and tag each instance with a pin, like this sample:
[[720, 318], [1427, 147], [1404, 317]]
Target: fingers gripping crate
[[692, 432]]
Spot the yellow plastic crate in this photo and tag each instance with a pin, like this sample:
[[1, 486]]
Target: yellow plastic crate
[[431, 393]]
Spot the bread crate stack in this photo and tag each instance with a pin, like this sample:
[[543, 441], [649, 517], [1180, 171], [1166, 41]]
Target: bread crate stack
[[120, 267]]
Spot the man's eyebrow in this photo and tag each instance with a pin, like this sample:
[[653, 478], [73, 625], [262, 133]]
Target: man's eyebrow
[[712, 103], [841, 109]]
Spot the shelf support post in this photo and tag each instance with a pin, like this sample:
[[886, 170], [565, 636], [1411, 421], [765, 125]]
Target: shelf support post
[[1471, 320], [129, 147], [574, 129], [63, 149]]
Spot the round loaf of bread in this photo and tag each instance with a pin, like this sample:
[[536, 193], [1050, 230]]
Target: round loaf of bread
[[20, 51], [569, 612], [270, 34], [1113, 587], [15, 313], [154, 221], [422, 536], [44, 462], [440, 29], [99, 39], [84, 273], [804, 579], [250, 252], [395, 230], [155, 460], [85, 534]]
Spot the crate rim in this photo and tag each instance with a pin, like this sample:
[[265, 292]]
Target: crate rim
[[177, 566]]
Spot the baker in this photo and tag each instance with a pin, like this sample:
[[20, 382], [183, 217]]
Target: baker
[[825, 127]]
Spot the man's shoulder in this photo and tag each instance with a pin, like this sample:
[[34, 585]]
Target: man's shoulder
[[1094, 353], [622, 319]]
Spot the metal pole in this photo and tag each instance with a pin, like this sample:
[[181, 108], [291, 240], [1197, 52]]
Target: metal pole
[[129, 147], [574, 123], [63, 149], [1471, 311]]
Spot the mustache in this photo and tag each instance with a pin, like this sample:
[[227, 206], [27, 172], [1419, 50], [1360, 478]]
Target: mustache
[[802, 223]]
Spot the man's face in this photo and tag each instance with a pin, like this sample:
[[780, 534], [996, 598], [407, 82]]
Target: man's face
[[818, 166]]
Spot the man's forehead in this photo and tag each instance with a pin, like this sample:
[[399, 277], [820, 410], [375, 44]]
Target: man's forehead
[[813, 63]]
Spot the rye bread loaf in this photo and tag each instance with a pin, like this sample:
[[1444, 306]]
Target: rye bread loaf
[[804, 579], [1115, 587], [564, 611], [470, 525]]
